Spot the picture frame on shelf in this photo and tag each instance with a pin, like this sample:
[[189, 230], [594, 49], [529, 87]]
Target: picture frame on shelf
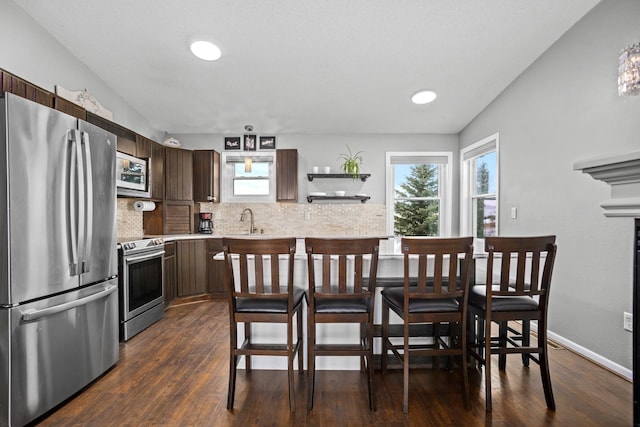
[[249, 143], [267, 142], [232, 143]]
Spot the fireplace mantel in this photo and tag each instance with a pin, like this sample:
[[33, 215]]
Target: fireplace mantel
[[622, 173]]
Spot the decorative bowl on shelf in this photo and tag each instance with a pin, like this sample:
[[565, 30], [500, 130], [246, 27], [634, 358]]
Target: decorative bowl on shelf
[[340, 193], [317, 193]]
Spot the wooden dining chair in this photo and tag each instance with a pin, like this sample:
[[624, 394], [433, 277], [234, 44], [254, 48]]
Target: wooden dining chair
[[435, 292], [518, 279], [261, 290], [341, 290]]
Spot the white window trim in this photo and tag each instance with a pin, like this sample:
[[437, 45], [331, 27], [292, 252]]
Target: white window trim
[[446, 190], [477, 149], [227, 175]]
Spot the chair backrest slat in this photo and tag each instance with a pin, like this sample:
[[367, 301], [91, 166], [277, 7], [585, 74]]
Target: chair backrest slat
[[422, 273], [259, 273], [357, 274], [244, 274], [326, 273], [342, 274]]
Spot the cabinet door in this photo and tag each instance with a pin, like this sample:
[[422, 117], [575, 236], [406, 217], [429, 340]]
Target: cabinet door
[[216, 285], [287, 175], [157, 171], [12, 84], [170, 273], [206, 176], [143, 146], [69, 107], [178, 174], [178, 217], [127, 146], [192, 267]]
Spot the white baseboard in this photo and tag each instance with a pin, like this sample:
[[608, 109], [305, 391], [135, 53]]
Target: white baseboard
[[588, 354]]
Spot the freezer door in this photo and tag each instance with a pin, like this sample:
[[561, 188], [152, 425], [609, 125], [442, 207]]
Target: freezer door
[[36, 201], [58, 346], [98, 259]]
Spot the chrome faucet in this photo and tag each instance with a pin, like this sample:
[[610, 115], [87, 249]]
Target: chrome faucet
[[252, 228]]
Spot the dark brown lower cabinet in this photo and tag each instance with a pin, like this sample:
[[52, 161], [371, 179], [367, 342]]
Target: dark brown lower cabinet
[[170, 273], [215, 270], [191, 267]]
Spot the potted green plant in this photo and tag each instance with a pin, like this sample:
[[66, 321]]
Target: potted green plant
[[351, 163]]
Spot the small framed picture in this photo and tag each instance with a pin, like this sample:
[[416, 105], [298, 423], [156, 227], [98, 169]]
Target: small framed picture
[[232, 143], [267, 142], [249, 143]]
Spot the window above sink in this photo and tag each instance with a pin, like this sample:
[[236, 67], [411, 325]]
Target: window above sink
[[248, 177]]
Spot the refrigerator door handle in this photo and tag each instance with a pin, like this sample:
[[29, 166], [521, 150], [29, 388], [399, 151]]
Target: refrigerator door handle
[[82, 214], [72, 202], [88, 204], [32, 315]]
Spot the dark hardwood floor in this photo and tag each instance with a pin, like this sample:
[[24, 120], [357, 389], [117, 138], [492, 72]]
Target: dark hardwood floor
[[175, 374]]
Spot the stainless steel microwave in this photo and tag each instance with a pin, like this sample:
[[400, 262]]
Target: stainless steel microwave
[[132, 176]]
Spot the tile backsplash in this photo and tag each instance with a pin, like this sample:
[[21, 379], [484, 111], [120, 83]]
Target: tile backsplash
[[280, 219], [129, 221]]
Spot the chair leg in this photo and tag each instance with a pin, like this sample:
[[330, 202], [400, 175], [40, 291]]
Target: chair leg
[[480, 335], [544, 366], [372, 398], [487, 363], [502, 358], [526, 339], [290, 356], [300, 341], [363, 343], [436, 344], [405, 367], [247, 336], [385, 336], [233, 362], [311, 374]]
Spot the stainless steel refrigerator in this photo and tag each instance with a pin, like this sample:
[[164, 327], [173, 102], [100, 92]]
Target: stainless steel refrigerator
[[58, 261]]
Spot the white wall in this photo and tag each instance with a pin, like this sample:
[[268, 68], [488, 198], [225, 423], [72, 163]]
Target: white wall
[[565, 108], [29, 52]]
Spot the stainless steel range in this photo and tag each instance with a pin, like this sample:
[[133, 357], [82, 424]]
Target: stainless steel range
[[140, 267]]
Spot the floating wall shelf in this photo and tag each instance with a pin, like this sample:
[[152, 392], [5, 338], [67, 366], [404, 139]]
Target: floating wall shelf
[[362, 199], [362, 176]]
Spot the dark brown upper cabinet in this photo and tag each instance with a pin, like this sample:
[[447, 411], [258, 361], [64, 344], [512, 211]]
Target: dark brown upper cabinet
[[12, 84], [287, 175], [206, 176], [178, 173]]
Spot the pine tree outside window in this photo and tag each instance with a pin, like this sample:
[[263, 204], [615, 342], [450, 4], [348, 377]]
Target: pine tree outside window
[[419, 194]]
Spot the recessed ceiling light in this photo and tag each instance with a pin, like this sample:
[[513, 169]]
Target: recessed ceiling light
[[423, 97], [206, 50]]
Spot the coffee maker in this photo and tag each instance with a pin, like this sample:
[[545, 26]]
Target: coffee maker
[[205, 225]]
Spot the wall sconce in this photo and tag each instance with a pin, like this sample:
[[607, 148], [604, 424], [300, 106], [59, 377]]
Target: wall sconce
[[629, 70], [247, 164]]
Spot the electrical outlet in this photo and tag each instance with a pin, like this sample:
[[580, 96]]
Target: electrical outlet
[[628, 322]]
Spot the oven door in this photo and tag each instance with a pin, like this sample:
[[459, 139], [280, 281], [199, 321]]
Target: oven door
[[142, 282]]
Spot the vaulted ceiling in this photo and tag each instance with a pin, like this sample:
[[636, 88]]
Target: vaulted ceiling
[[308, 66]]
